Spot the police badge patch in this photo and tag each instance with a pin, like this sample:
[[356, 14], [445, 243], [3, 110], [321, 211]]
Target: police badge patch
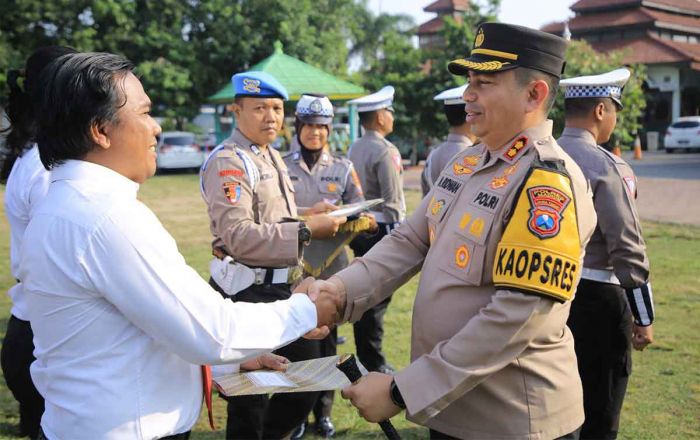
[[547, 205], [232, 190]]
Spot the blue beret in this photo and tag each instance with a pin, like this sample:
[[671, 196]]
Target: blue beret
[[258, 85]]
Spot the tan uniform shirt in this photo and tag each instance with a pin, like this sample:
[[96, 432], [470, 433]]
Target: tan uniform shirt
[[488, 361], [248, 197], [333, 180], [617, 244], [378, 163], [440, 157]]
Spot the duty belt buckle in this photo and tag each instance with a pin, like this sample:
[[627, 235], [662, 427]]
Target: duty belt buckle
[[259, 275]]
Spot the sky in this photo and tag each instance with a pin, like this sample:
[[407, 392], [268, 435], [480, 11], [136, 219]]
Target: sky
[[531, 13]]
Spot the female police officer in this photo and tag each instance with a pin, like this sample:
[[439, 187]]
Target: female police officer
[[319, 176]]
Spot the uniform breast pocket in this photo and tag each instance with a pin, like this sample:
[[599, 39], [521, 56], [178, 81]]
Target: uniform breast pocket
[[268, 192], [467, 248]]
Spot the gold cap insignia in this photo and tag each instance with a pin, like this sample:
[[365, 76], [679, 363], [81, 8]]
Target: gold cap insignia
[[479, 40]]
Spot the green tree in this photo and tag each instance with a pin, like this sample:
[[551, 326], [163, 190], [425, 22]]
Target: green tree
[[582, 59]]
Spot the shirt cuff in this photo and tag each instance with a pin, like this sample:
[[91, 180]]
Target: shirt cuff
[[303, 311], [225, 369], [356, 295]]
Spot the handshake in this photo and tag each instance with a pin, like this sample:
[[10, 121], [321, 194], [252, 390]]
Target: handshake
[[330, 300]]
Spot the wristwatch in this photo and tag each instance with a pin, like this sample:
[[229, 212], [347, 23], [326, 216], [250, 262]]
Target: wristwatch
[[395, 395], [304, 234]]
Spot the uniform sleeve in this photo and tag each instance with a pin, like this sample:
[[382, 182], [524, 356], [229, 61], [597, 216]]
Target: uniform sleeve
[[158, 292], [389, 180], [353, 188], [510, 322], [230, 200], [620, 225], [387, 266]]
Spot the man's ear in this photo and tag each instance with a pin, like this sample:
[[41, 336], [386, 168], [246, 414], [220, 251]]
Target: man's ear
[[379, 119], [537, 93], [234, 108], [599, 111], [99, 136]]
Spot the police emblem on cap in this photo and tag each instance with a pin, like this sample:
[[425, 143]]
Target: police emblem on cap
[[547, 205], [316, 106], [251, 85], [479, 40]]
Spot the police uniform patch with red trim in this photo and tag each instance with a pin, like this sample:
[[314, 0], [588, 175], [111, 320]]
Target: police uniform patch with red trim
[[547, 205], [234, 173], [232, 191]]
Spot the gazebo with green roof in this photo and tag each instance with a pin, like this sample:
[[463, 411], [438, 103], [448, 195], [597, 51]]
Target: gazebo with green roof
[[297, 77]]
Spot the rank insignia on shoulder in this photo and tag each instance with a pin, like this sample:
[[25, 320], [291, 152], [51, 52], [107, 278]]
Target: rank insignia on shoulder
[[232, 191], [546, 212], [515, 149]]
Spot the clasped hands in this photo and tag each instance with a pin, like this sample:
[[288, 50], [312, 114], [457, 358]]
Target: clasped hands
[[329, 299]]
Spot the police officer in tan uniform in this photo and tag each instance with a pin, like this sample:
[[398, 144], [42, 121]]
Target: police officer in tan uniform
[[258, 239], [378, 163], [319, 176], [458, 139], [614, 307], [499, 242]]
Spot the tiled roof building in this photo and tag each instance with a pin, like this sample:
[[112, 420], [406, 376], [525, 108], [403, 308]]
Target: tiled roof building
[[429, 32], [662, 34]]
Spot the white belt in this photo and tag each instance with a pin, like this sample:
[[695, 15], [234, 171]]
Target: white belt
[[233, 277], [600, 275]]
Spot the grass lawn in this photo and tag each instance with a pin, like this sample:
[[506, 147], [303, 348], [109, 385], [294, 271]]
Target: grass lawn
[[663, 399]]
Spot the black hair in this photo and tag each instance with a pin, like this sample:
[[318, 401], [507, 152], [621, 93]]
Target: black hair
[[82, 89], [22, 129], [525, 75], [582, 107], [455, 114], [367, 118]]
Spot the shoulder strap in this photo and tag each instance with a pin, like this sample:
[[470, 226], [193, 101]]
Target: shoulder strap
[[251, 171]]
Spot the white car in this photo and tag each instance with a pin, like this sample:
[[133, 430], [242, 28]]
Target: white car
[[177, 150], [683, 134]]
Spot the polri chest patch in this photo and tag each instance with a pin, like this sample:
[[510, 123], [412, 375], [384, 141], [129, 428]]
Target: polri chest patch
[[486, 200]]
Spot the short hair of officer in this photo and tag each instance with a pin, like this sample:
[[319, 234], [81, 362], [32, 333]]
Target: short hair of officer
[[379, 120], [601, 110], [100, 114]]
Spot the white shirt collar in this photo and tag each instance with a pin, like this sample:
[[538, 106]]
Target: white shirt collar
[[97, 176]]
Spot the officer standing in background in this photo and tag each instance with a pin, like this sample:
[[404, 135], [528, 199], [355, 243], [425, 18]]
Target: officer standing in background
[[499, 242], [378, 163], [319, 176], [614, 308], [257, 239], [458, 139]]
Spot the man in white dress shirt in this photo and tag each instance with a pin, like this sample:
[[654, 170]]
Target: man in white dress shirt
[[121, 322]]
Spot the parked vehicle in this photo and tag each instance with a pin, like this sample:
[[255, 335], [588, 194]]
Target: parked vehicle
[[177, 150], [683, 134]]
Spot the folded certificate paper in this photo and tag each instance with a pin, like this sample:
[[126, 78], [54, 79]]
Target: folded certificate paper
[[312, 375], [355, 208]]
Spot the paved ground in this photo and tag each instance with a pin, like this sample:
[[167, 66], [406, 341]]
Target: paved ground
[[669, 186]]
